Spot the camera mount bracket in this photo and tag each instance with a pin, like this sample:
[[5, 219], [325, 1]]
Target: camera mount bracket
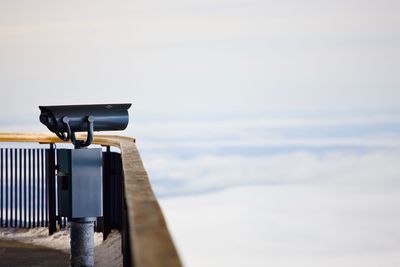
[[71, 135]]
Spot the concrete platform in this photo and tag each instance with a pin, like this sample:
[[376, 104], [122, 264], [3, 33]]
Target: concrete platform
[[17, 254]]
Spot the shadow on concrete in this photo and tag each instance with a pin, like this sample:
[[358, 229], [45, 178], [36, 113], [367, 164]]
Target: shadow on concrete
[[17, 254]]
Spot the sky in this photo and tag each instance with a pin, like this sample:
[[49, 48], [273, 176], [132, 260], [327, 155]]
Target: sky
[[227, 57], [270, 129]]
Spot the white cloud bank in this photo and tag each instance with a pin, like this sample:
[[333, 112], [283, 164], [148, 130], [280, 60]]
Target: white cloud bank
[[341, 210], [296, 207], [351, 171]]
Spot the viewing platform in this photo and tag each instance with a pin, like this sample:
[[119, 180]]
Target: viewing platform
[[146, 240]]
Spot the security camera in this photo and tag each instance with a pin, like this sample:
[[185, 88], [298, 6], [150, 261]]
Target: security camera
[[66, 120]]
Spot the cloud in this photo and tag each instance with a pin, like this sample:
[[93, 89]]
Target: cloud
[[173, 176], [215, 136], [185, 158], [287, 225], [280, 207]]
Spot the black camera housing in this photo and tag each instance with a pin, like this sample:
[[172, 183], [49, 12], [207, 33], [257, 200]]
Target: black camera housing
[[70, 119], [108, 117]]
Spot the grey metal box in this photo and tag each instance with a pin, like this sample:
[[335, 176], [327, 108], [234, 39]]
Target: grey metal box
[[79, 183]]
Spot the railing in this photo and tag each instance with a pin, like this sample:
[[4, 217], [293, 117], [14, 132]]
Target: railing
[[23, 188], [28, 184], [146, 239]]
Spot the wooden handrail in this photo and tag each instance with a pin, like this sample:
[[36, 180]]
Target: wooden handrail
[[151, 242]]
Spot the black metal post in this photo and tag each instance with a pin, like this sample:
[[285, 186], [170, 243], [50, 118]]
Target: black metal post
[[29, 188], [42, 185], [107, 173], [34, 177], [20, 188], [1, 188], [11, 186], [46, 192], [15, 188], [6, 222], [25, 194], [51, 188], [37, 182]]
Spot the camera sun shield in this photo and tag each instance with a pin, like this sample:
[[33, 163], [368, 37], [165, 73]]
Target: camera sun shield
[[70, 119]]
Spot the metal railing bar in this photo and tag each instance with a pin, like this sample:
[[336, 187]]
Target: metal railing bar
[[20, 188], [37, 188], [6, 188], [24, 185], [11, 187], [33, 189], [46, 182], [16, 222], [29, 187], [1, 188], [42, 185]]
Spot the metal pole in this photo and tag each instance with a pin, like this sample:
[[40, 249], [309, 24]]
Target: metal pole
[[82, 233], [51, 188], [82, 244]]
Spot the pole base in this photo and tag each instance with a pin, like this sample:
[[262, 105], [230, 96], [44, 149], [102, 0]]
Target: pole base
[[82, 244]]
